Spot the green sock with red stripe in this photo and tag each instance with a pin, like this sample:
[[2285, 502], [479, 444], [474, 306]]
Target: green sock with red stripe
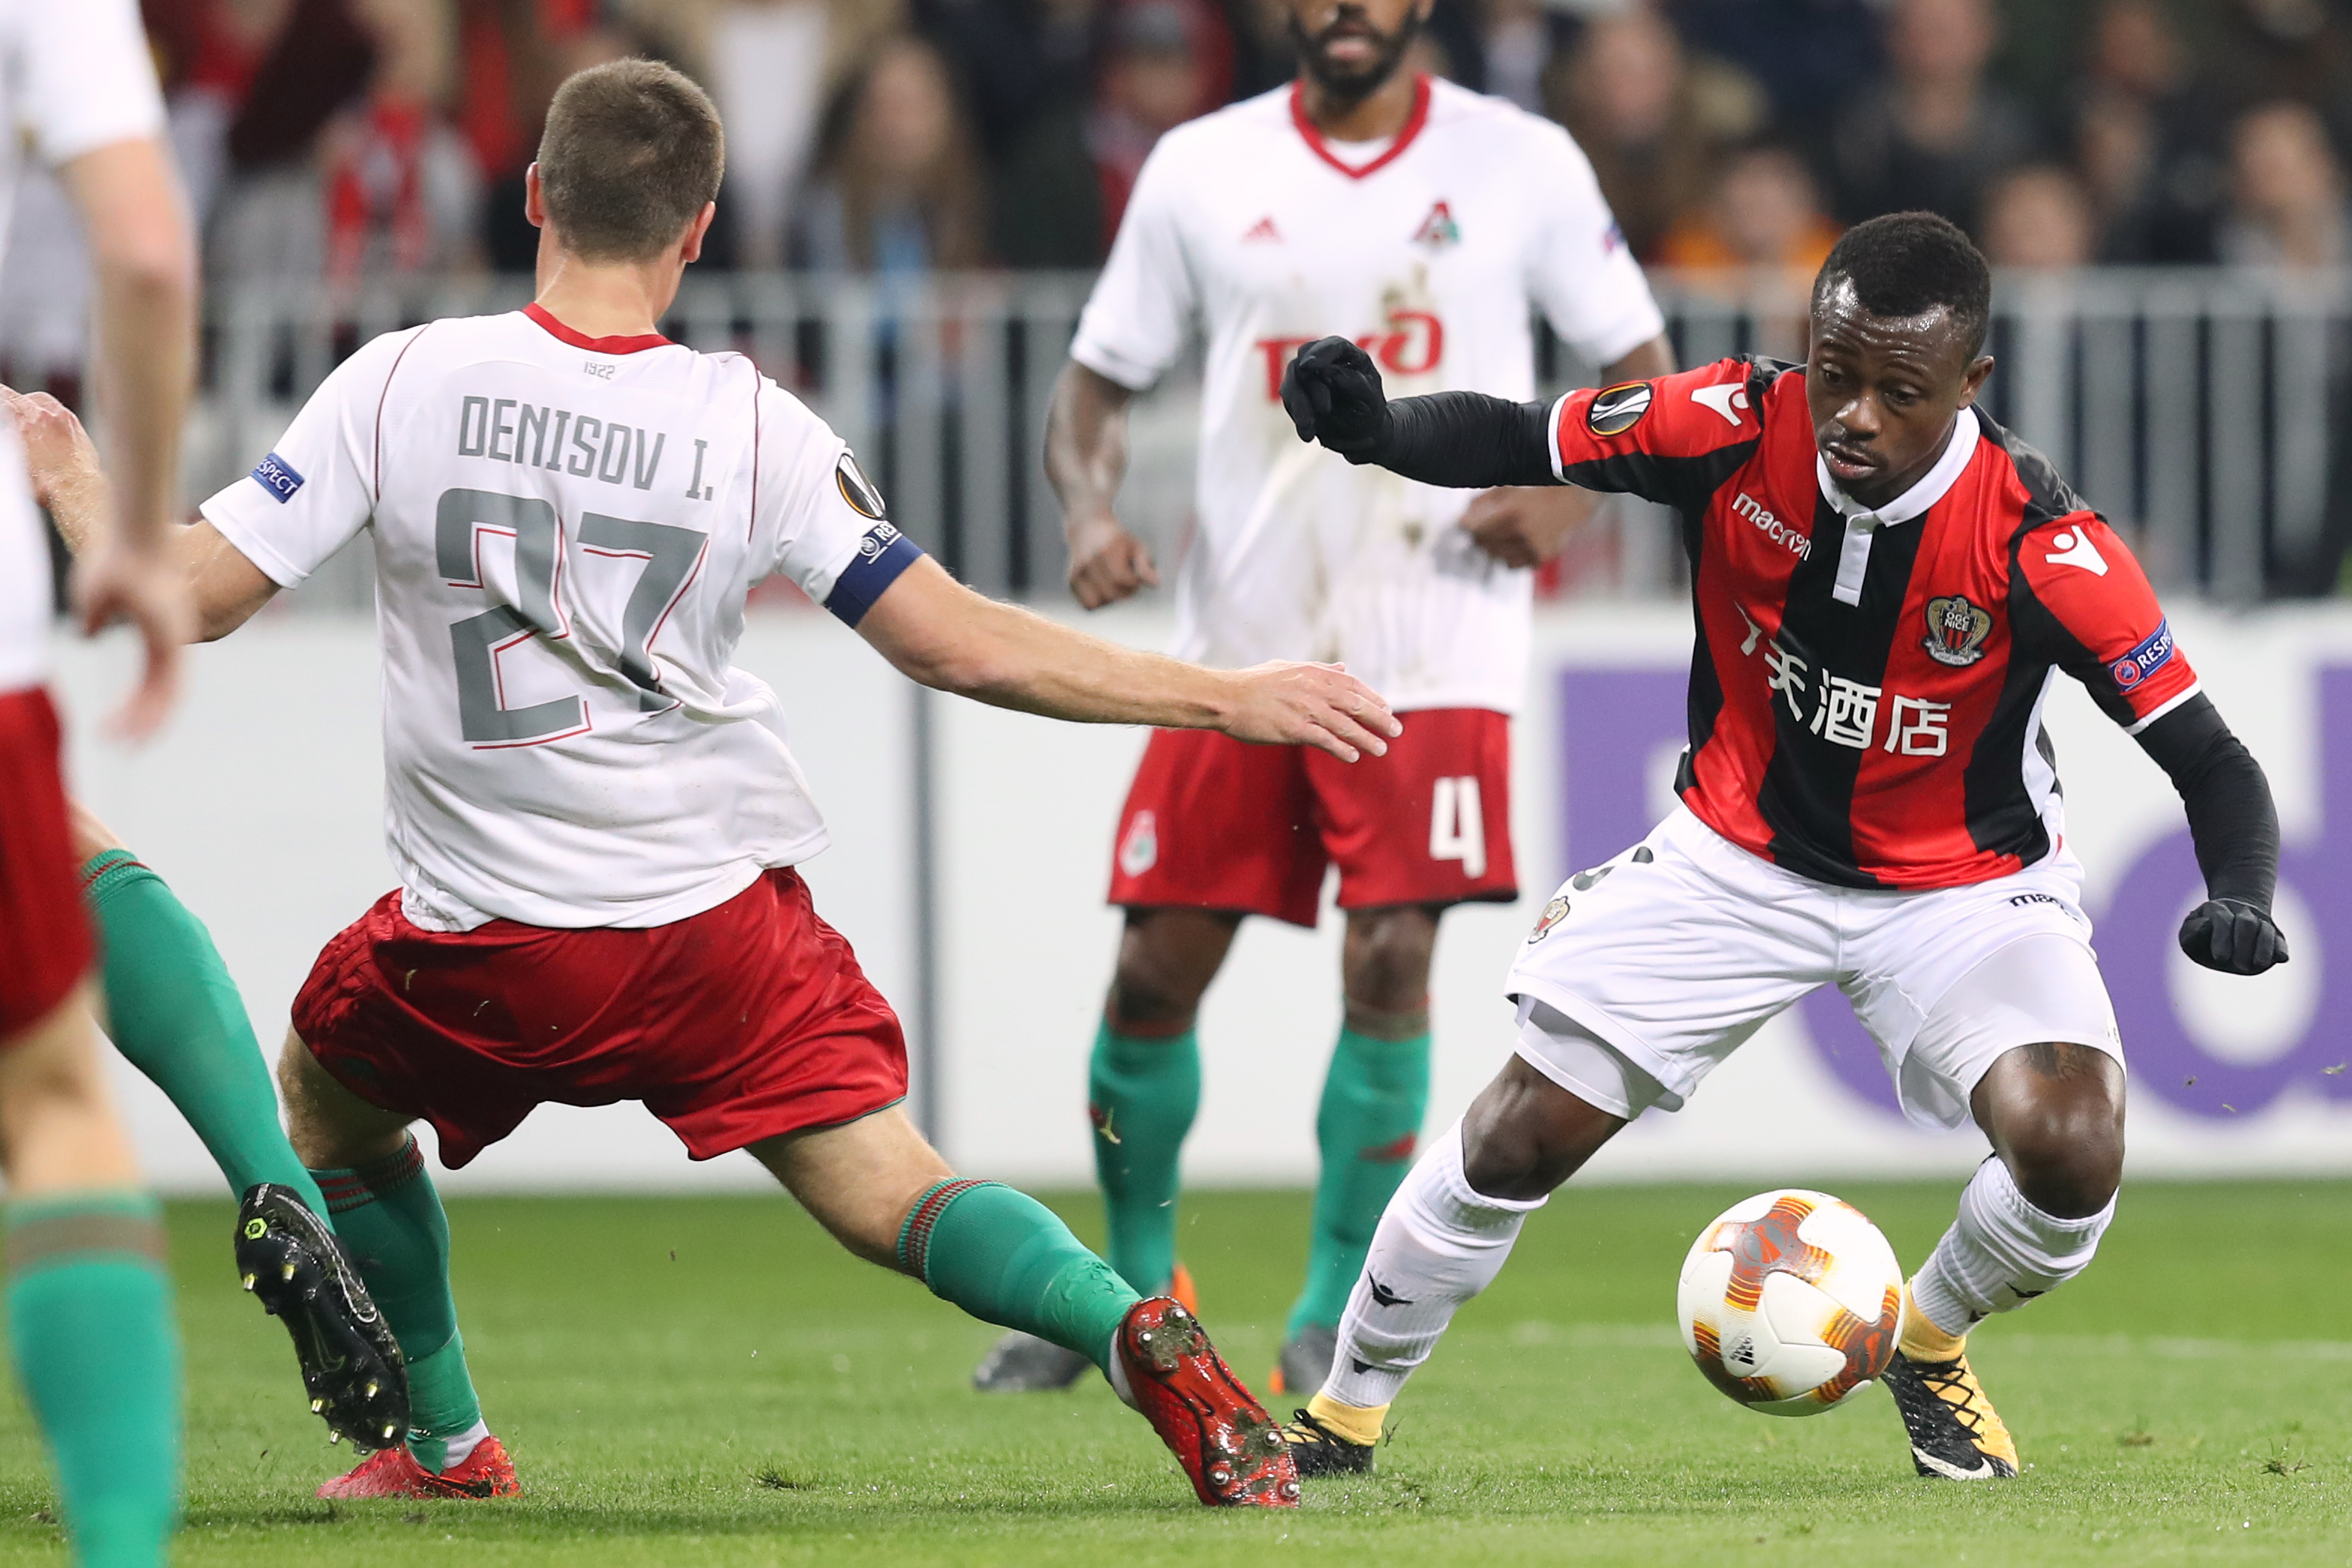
[[175, 1014], [389, 1217], [1373, 1103], [97, 1353], [1008, 1259]]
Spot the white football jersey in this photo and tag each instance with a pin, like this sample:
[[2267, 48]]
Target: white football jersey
[[564, 531], [1433, 252], [75, 77]]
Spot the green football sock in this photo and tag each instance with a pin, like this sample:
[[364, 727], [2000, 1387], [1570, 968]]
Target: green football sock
[[1373, 1103], [390, 1219], [1142, 1093], [98, 1352], [1007, 1258], [175, 1014]]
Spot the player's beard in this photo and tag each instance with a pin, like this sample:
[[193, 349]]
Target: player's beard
[[1353, 84]]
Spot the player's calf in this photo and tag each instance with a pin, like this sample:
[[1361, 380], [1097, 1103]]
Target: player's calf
[[2028, 1221]]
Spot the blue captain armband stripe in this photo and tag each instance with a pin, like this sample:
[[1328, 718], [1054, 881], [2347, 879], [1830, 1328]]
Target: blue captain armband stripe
[[882, 555]]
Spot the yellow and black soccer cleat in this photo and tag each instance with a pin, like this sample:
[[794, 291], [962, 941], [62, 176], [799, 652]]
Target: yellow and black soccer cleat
[[1955, 1432], [1320, 1452]]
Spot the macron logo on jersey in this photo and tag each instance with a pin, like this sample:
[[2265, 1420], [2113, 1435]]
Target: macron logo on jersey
[[2146, 659], [2075, 549], [277, 476]]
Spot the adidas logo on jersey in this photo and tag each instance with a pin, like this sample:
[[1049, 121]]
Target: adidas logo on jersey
[[1438, 230], [1262, 232]]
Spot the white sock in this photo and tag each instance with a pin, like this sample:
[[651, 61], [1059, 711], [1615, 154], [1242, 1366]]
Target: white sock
[[461, 1448], [1115, 1369], [1439, 1243], [2002, 1252]]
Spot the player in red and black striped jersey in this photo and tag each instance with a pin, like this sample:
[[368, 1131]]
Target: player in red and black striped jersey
[[1885, 584]]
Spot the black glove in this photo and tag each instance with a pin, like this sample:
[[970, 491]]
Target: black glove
[[1332, 393], [2233, 936]]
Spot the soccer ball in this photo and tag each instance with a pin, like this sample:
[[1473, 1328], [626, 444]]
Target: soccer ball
[[1789, 1301]]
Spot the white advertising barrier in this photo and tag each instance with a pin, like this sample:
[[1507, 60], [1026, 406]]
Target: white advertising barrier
[[262, 806], [2231, 1075]]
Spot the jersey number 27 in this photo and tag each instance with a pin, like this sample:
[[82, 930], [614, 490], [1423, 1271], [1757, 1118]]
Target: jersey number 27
[[669, 555]]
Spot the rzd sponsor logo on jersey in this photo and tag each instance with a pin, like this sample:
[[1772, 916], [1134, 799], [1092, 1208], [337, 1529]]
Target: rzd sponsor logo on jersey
[[1956, 630], [2146, 659], [1413, 344]]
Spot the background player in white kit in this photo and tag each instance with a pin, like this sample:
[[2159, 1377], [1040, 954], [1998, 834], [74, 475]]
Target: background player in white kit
[[595, 817], [1429, 223]]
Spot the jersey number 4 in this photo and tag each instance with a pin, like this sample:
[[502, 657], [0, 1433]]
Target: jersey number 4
[[670, 556], [1457, 824]]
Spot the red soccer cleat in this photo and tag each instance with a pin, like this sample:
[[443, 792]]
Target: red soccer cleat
[[1228, 1445], [394, 1472]]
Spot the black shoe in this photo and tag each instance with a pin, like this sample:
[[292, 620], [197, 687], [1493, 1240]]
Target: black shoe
[[1306, 1360], [1955, 1432], [351, 1365], [1320, 1452], [1023, 1363]]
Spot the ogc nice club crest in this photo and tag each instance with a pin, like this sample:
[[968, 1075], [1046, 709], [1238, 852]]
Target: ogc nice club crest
[[1956, 630]]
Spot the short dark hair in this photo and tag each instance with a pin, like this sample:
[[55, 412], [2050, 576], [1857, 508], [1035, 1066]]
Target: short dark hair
[[632, 151], [1907, 264]]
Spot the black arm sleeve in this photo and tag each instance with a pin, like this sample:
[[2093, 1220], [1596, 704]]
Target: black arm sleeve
[[1466, 440], [2230, 818]]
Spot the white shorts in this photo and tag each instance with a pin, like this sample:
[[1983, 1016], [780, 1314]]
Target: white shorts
[[1647, 972]]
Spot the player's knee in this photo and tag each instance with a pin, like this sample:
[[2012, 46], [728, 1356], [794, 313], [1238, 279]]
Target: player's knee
[[1166, 960], [2059, 1124], [1388, 957], [1524, 1135]]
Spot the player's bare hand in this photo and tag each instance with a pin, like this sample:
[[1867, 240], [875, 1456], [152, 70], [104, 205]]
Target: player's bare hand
[[2233, 937], [1332, 393], [1526, 527], [1108, 564], [115, 582], [59, 457], [1319, 705]]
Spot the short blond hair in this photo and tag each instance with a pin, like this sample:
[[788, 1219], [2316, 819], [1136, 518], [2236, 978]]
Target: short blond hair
[[632, 151]]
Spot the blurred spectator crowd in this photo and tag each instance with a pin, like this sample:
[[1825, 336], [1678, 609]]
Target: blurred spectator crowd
[[353, 139]]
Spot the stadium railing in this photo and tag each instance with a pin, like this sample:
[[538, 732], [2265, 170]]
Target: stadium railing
[[2205, 411]]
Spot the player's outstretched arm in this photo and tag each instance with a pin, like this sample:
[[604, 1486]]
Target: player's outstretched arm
[[1464, 440], [1086, 457], [2234, 827], [940, 633], [224, 587]]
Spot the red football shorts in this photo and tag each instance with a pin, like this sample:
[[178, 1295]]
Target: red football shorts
[[739, 1024], [1215, 823], [44, 941]]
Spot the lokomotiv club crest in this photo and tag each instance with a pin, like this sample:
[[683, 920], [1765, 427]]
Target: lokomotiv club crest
[[1956, 630]]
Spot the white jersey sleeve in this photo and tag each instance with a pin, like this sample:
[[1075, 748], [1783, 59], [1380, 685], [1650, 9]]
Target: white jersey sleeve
[[1143, 306], [1582, 275], [84, 80], [319, 486], [832, 535]]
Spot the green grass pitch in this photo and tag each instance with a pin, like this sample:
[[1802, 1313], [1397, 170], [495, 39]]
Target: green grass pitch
[[709, 1382]]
